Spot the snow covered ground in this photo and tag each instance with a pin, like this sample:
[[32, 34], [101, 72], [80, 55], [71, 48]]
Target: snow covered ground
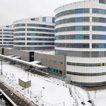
[[51, 91]]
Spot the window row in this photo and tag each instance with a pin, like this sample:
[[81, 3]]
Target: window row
[[56, 71], [73, 28], [80, 11], [80, 36], [43, 19], [98, 28], [33, 34], [8, 33], [73, 11], [43, 30], [81, 19], [98, 19], [98, 11], [49, 60], [7, 36], [72, 45], [7, 30], [72, 20], [86, 64], [32, 43], [7, 42], [102, 1], [41, 39], [7, 39], [31, 29], [99, 45], [34, 25], [68, 37], [100, 37]]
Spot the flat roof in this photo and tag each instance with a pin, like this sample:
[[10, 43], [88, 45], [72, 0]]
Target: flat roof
[[25, 79], [51, 52]]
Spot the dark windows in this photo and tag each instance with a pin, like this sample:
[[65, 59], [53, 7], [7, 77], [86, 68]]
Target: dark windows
[[74, 11], [73, 28], [78, 11], [39, 25], [85, 64], [32, 19], [100, 37], [44, 30], [102, 1], [98, 11], [72, 20], [43, 19], [73, 45], [53, 20], [99, 28], [99, 45]]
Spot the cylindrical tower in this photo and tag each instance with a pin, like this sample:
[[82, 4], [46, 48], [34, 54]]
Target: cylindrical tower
[[81, 37], [34, 33]]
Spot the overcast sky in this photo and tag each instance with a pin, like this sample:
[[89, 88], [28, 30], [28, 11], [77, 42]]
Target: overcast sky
[[11, 10]]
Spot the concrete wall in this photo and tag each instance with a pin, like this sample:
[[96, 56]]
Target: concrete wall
[[0, 50], [23, 54], [51, 64]]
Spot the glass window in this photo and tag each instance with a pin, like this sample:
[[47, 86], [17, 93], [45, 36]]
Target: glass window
[[95, 28], [78, 28], [78, 45], [86, 28], [101, 11], [94, 10], [95, 37], [101, 19], [86, 19], [101, 45], [102, 37], [32, 43], [95, 19], [43, 19], [102, 1], [85, 36], [79, 19], [95, 46], [32, 34], [53, 20], [78, 36], [78, 11], [101, 28], [20, 34]]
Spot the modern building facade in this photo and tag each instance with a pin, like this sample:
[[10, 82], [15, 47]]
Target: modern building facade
[[6, 36], [56, 64], [34, 33], [81, 37]]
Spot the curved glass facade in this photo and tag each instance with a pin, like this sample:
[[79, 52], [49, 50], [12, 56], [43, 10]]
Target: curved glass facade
[[72, 45], [73, 20], [73, 28], [81, 37], [70, 37], [73, 11]]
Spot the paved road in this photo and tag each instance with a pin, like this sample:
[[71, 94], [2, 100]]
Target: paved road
[[13, 97]]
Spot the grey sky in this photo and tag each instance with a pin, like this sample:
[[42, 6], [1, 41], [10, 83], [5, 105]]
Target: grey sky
[[11, 10]]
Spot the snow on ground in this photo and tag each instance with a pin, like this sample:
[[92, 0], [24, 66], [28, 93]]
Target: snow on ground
[[99, 97], [55, 91], [51, 93]]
